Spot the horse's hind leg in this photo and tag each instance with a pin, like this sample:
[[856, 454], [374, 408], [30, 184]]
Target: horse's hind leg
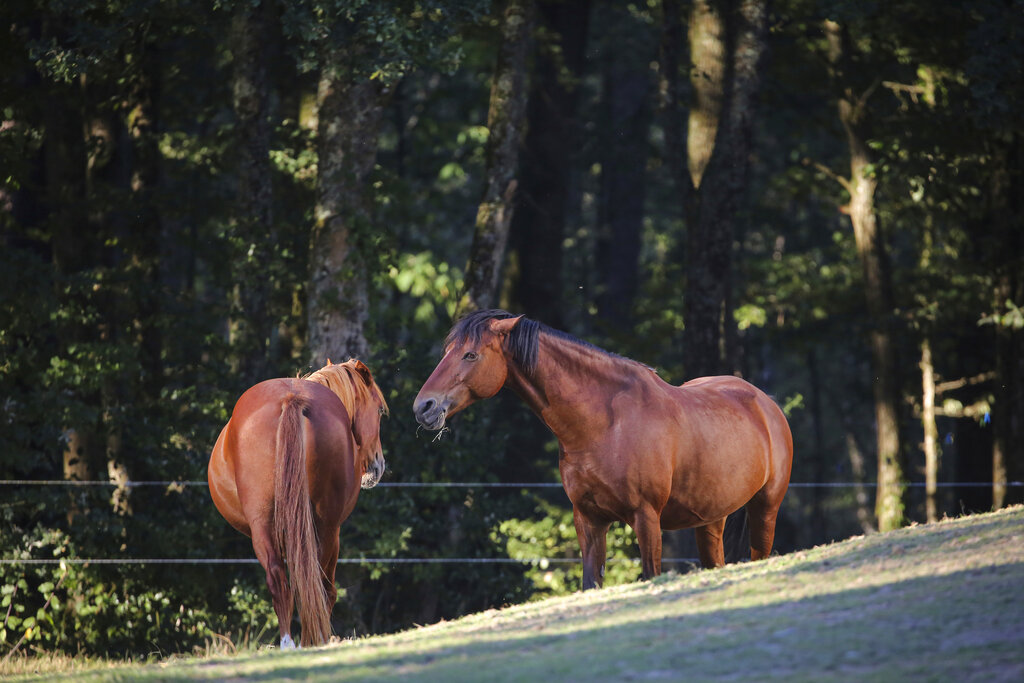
[[593, 539], [277, 579], [709, 544], [761, 516], [329, 545]]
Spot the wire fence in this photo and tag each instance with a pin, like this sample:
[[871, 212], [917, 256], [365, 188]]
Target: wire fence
[[480, 484], [537, 561]]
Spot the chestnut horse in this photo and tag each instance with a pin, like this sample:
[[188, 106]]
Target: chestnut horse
[[632, 448], [286, 471]]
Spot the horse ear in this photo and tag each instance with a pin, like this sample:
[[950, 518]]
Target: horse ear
[[363, 371], [504, 325]]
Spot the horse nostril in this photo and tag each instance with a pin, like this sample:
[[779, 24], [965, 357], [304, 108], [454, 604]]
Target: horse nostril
[[425, 406]]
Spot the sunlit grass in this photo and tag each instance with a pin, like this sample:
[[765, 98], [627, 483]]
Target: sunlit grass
[[939, 602]]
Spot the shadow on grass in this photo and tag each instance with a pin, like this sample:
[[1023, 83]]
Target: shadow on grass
[[967, 625]]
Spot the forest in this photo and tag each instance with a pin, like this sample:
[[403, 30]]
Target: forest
[[823, 198]]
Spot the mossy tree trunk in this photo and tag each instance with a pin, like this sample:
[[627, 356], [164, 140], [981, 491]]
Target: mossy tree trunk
[[726, 49], [505, 121], [349, 118]]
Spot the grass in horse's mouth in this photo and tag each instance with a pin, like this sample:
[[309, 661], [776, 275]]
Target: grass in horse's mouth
[[440, 431]]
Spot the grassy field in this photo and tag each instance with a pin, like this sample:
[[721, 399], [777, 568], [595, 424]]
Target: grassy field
[[943, 602]]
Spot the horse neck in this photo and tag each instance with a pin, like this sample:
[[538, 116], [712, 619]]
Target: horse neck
[[339, 384], [571, 381]]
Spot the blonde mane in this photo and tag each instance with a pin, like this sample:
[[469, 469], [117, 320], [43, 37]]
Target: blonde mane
[[343, 379]]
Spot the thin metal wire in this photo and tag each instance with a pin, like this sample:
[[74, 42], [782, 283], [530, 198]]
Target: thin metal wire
[[394, 560], [341, 560], [481, 484]]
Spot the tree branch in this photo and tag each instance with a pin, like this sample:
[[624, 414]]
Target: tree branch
[[845, 182], [953, 384]]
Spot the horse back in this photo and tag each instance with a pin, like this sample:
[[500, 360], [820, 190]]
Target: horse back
[[723, 402]]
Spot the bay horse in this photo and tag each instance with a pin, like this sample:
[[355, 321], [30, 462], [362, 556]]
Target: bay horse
[[286, 471], [632, 448]]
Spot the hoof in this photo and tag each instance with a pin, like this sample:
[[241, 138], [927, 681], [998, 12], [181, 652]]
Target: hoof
[[287, 643]]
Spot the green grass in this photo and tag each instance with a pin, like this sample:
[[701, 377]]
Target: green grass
[[941, 602]]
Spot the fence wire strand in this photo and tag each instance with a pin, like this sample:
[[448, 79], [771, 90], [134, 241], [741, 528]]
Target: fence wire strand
[[481, 484], [539, 561]]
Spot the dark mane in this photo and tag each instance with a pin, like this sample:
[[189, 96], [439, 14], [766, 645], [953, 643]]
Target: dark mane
[[523, 342]]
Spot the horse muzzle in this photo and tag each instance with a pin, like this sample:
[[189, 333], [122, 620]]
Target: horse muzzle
[[374, 471], [430, 413]]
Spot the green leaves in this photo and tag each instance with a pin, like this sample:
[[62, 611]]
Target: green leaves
[[435, 285], [1012, 317], [550, 533]]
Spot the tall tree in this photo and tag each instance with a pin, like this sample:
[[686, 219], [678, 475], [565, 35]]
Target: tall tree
[[349, 110], [626, 116], [253, 229], [546, 163], [851, 102], [360, 51], [994, 56], [1005, 203], [726, 45], [64, 217], [505, 121]]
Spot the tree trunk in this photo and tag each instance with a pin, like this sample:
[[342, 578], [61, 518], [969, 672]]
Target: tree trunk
[[250, 324], [707, 78], [721, 173], [818, 526], [931, 432], [146, 177], [538, 225], [1008, 409], [860, 492], [670, 95], [139, 309], [546, 170], [627, 117], [349, 116], [505, 120], [890, 498], [65, 165]]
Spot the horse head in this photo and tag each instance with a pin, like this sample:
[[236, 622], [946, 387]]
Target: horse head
[[474, 367], [353, 383], [368, 408]]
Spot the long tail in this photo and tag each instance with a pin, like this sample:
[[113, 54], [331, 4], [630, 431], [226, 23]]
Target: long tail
[[293, 521]]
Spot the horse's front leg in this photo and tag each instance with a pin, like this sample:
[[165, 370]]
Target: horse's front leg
[[647, 526], [593, 537], [709, 544]]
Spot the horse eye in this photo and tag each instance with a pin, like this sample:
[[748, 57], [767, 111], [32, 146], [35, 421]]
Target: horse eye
[[469, 356]]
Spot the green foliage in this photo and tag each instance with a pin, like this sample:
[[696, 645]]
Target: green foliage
[[550, 533], [382, 41], [1013, 317], [99, 609]]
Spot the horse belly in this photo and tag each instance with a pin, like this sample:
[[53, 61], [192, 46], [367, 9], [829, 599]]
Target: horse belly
[[716, 480]]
